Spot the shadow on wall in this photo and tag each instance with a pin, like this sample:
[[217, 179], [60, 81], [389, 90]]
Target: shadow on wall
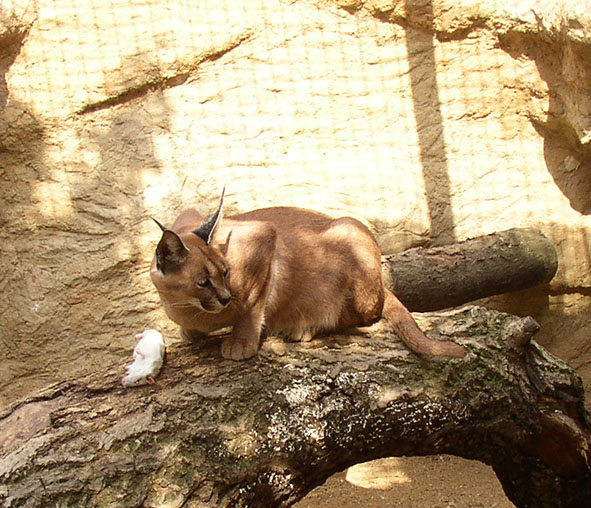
[[23, 273], [70, 199], [429, 122], [567, 159], [11, 40], [569, 164], [428, 118], [20, 139]]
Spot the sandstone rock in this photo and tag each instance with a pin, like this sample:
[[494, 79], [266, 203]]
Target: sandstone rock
[[431, 121]]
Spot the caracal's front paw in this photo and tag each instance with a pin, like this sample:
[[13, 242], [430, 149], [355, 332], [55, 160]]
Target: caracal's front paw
[[239, 349], [303, 336]]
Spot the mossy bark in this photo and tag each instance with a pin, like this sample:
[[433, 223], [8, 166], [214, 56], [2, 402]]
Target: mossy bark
[[217, 433]]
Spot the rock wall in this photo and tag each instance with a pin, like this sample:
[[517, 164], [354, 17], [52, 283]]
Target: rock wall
[[432, 121]]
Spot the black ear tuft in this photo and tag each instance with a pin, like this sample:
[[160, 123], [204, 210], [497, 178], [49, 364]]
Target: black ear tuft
[[170, 252], [206, 230], [159, 225]]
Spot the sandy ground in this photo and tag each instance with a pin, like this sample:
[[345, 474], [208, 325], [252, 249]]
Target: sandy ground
[[415, 482]]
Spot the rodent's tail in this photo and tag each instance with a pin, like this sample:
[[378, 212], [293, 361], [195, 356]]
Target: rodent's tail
[[407, 329]]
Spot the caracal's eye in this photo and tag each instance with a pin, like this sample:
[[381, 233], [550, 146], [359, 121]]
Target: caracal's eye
[[203, 283], [226, 272]]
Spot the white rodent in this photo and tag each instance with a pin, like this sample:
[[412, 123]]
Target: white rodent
[[148, 357]]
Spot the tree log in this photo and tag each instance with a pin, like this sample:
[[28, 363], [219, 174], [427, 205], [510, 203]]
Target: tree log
[[443, 277], [217, 433]]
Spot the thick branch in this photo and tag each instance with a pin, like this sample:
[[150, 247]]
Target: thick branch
[[444, 277], [218, 433]]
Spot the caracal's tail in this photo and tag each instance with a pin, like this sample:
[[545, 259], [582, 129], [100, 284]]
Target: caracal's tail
[[407, 329]]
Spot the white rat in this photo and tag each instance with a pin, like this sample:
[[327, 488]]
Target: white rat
[[148, 357]]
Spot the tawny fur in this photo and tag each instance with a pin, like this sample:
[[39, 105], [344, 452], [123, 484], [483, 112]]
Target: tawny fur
[[281, 270]]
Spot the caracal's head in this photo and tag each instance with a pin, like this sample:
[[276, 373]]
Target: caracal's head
[[189, 272]]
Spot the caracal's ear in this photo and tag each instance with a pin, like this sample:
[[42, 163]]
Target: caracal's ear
[[207, 229], [170, 252], [159, 225]]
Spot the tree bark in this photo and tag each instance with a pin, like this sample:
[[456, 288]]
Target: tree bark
[[217, 433], [448, 276]]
